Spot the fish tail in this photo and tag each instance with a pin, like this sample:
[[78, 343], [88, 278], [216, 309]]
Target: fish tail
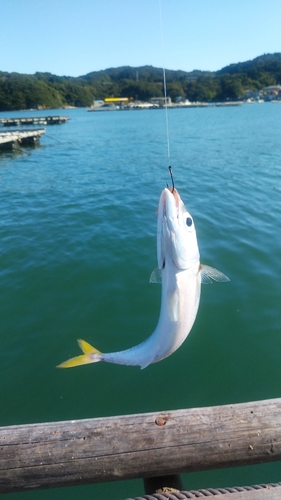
[[91, 355]]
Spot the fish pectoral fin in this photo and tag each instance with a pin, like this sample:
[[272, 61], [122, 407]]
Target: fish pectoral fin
[[156, 276], [209, 274], [91, 355]]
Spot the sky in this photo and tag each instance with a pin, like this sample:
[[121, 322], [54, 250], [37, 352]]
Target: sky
[[76, 37]]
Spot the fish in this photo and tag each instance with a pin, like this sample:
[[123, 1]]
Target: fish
[[181, 274]]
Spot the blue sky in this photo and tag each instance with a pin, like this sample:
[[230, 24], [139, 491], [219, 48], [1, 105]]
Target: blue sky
[[75, 37]]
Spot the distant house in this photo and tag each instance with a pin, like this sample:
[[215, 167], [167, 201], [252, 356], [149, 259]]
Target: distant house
[[254, 95], [161, 101], [271, 92]]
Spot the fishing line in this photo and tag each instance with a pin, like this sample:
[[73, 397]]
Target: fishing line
[[54, 138], [165, 96]]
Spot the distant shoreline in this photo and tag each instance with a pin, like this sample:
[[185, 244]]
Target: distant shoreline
[[256, 79], [143, 108]]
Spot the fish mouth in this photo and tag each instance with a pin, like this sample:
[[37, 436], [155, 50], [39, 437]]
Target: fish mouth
[[171, 204], [174, 192], [167, 222]]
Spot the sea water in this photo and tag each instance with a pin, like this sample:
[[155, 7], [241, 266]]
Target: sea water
[[78, 244]]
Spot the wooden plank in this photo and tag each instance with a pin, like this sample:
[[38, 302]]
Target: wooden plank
[[16, 137], [31, 120], [136, 446]]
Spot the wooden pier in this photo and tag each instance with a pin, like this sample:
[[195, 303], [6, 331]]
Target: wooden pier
[[33, 120], [149, 445], [16, 138]]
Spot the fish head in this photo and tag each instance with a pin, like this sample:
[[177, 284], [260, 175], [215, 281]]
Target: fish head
[[176, 234]]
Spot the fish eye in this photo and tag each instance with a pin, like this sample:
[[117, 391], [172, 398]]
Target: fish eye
[[188, 221]]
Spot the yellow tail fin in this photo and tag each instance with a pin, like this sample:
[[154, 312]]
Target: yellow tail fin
[[83, 359]]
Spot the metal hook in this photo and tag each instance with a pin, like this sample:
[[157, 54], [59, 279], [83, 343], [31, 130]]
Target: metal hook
[[172, 178]]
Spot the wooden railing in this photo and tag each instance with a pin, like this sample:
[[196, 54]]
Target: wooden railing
[[76, 452]]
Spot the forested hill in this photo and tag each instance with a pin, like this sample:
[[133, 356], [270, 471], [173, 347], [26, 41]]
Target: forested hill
[[44, 90]]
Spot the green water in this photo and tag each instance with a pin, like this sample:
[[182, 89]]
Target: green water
[[78, 244]]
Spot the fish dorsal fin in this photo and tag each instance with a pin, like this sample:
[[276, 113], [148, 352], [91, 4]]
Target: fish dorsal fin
[[156, 276], [209, 274]]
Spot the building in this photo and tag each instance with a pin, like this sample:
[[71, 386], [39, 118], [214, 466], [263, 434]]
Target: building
[[161, 101], [271, 92]]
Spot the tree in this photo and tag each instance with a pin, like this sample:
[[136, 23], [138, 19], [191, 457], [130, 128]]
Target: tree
[[19, 91], [231, 87], [175, 90]]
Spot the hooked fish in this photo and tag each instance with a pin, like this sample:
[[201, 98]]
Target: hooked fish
[[181, 274]]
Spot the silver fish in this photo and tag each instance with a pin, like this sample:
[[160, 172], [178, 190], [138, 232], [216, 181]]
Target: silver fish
[[181, 274]]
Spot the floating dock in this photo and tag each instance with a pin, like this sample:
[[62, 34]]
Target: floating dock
[[15, 138], [34, 120]]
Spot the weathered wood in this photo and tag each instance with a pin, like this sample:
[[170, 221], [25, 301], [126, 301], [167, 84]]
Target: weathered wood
[[136, 446], [14, 138], [33, 120]]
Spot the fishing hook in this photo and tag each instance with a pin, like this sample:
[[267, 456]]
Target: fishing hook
[[172, 178]]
